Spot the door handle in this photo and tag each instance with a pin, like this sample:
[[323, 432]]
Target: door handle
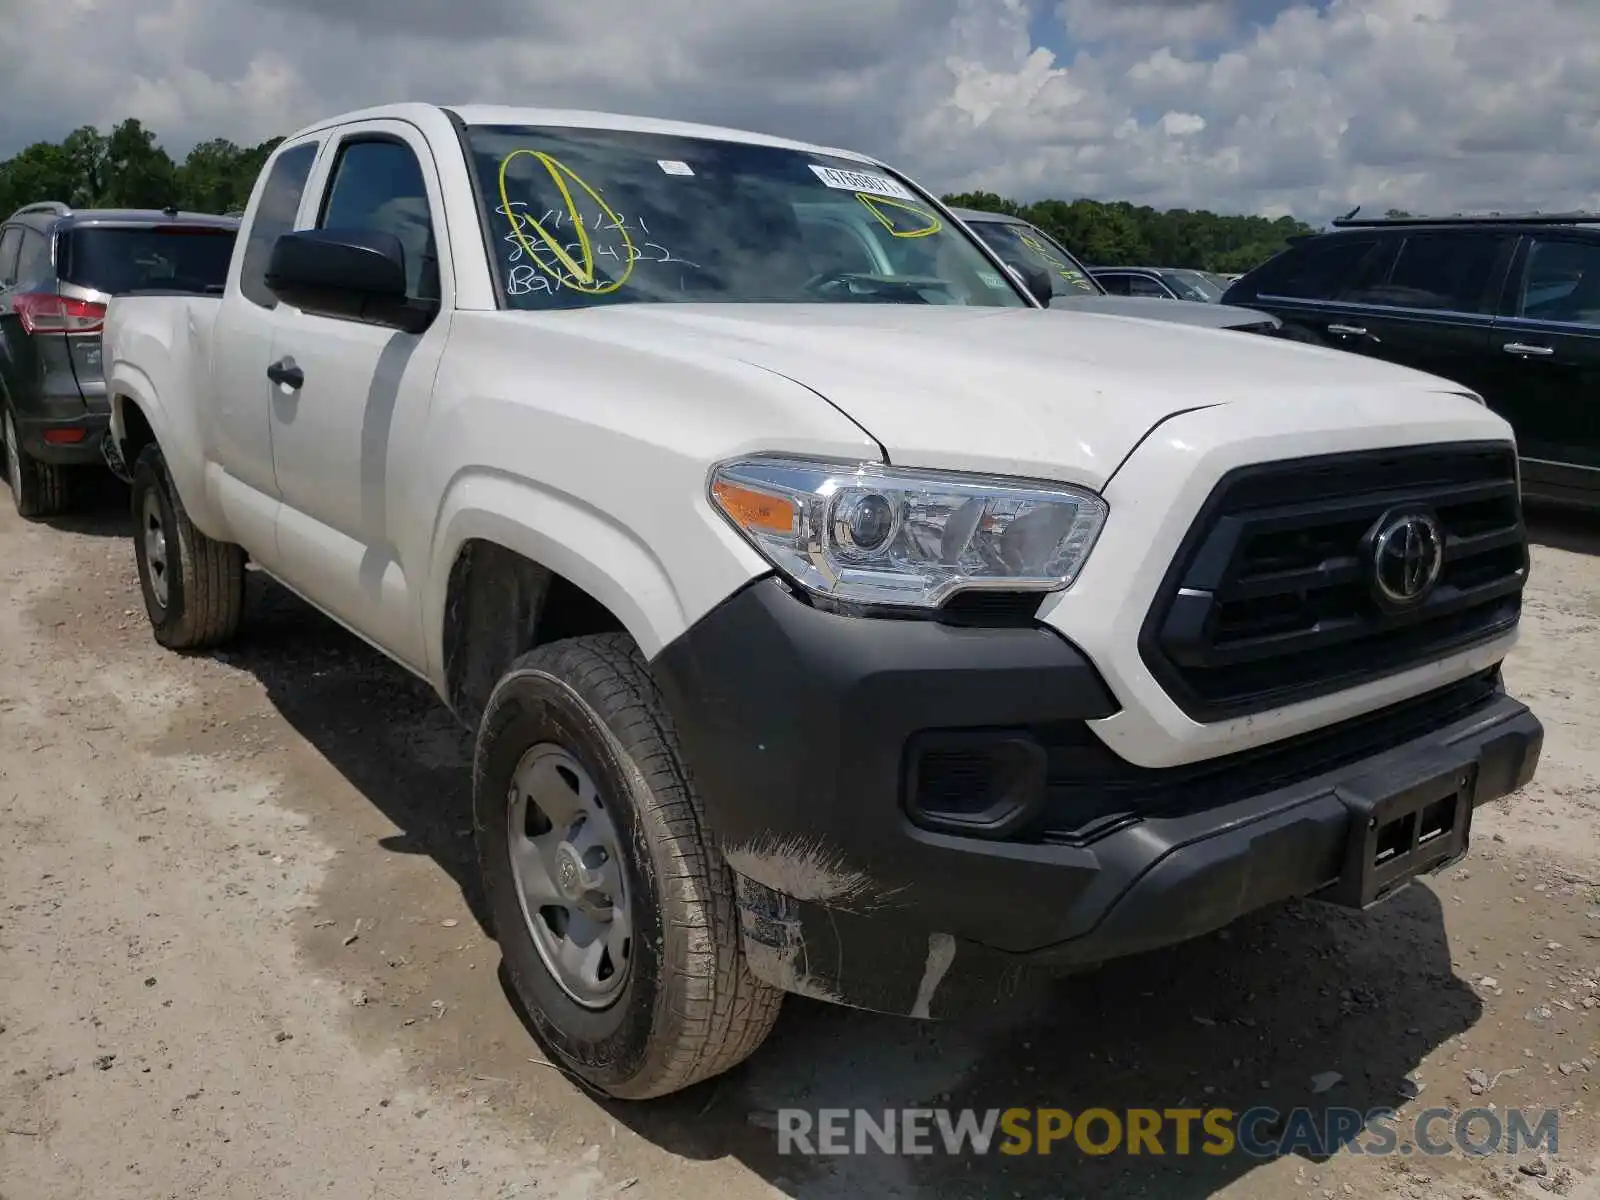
[[1348, 330], [1524, 349], [285, 374]]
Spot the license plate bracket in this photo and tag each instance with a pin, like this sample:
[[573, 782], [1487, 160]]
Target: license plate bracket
[[1401, 829]]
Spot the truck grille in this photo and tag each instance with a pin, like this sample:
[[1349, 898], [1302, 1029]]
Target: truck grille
[[1272, 598]]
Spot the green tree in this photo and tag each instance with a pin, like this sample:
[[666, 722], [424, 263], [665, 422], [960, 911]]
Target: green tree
[[44, 171], [208, 178], [128, 168], [85, 148], [984, 202], [139, 173], [1116, 233]]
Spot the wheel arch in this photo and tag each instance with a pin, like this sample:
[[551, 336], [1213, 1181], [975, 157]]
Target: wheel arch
[[140, 411], [517, 566]]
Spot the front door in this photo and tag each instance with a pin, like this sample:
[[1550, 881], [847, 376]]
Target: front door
[[348, 394], [1433, 308], [1546, 356], [1315, 289]]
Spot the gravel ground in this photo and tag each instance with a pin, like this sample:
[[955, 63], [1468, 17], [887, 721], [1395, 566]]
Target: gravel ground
[[240, 955]]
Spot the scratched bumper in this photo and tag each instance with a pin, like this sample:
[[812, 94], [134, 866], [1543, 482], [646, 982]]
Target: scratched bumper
[[916, 812]]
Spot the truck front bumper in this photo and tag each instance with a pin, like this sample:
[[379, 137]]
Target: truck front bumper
[[915, 811]]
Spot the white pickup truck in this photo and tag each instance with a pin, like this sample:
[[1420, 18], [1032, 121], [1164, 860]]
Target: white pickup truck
[[861, 634]]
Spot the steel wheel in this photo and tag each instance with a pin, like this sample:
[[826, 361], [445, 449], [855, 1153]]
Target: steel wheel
[[154, 532], [569, 877]]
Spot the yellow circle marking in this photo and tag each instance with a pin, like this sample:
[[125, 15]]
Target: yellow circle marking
[[583, 273]]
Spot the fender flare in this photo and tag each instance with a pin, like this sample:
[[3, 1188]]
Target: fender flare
[[558, 531], [129, 384]]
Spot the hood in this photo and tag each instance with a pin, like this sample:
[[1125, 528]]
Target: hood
[[1022, 391], [1152, 308]]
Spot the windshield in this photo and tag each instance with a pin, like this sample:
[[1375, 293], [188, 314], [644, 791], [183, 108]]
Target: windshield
[[1192, 285], [581, 217], [1022, 245], [121, 259]]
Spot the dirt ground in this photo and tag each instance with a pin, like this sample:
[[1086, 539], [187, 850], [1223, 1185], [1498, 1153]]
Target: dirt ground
[[240, 958]]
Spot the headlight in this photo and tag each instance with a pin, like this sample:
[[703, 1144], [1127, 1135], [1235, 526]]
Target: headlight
[[875, 535]]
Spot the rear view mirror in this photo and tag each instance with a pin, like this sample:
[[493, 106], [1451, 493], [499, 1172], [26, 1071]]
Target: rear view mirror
[[1037, 281], [357, 274]]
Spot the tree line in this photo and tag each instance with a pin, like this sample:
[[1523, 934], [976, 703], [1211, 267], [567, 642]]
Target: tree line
[[127, 167], [1116, 233]]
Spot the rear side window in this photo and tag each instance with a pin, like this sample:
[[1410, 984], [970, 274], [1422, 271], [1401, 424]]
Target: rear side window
[[1117, 285], [1448, 271], [1334, 269], [1562, 283], [274, 217], [10, 243], [166, 258], [34, 265], [1140, 285]]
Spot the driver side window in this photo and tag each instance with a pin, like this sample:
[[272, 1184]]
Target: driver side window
[[1562, 283], [377, 184]]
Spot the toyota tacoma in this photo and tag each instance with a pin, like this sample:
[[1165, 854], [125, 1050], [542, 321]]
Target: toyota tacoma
[[863, 631]]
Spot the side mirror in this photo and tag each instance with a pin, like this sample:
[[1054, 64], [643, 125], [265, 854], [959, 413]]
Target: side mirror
[[1037, 281], [357, 274]]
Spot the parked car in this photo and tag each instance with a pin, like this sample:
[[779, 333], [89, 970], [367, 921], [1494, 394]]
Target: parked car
[[1022, 244], [1162, 283], [1507, 306], [58, 267], [827, 631]]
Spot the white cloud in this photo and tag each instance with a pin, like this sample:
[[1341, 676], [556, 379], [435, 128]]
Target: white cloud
[[1181, 124], [1148, 22], [1307, 106]]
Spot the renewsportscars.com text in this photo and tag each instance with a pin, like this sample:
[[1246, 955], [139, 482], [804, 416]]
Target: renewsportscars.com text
[[1259, 1132]]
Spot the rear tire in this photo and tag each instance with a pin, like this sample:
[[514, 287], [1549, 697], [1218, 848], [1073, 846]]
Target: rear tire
[[193, 586], [587, 712], [38, 489]]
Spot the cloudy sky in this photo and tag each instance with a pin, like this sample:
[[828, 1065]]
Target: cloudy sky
[[1303, 106]]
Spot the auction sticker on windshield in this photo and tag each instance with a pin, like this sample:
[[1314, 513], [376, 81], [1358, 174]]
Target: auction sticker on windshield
[[861, 181]]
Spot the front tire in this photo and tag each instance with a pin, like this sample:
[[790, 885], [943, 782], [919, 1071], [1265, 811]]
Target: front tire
[[583, 807], [38, 489], [193, 586]]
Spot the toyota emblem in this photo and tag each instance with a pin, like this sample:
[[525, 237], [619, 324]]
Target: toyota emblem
[[1407, 555]]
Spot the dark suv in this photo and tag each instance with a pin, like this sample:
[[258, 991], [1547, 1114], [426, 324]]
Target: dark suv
[[58, 268], [1507, 306]]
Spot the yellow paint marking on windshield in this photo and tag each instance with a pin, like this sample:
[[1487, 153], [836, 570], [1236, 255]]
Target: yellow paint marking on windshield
[[582, 274], [1039, 248], [881, 207]]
